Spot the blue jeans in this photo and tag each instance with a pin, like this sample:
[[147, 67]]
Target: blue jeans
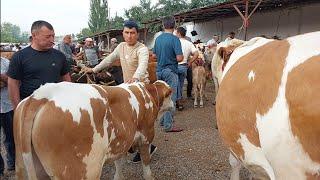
[[6, 124], [171, 78], [182, 73]]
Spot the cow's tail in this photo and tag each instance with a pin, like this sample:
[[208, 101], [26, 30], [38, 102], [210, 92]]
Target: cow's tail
[[24, 119]]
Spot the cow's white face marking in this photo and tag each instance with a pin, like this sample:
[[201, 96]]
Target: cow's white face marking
[[163, 82], [132, 99], [251, 76], [282, 149], [70, 97]]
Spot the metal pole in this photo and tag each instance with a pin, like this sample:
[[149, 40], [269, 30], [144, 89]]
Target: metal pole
[[246, 20]]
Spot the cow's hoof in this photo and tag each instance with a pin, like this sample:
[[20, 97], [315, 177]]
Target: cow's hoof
[[201, 106], [195, 105]]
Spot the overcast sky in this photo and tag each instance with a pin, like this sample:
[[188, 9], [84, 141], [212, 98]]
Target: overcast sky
[[66, 16]]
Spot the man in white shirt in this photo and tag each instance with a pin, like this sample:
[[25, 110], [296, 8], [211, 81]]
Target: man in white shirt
[[187, 50], [231, 36], [213, 42], [133, 55]]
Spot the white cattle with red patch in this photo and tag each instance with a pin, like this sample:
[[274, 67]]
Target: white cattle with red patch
[[219, 60], [268, 107], [67, 130]]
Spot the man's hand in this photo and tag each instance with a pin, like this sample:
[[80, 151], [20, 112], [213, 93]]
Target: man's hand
[[87, 70], [133, 80]]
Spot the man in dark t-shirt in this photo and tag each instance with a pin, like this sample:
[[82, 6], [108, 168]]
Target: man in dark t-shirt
[[37, 64]]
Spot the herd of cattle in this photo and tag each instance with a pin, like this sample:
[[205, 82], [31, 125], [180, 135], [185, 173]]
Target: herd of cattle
[[267, 111]]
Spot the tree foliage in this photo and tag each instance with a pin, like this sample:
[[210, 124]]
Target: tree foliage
[[85, 32], [97, 17], [202, 3], [116, 22], [12, 33]]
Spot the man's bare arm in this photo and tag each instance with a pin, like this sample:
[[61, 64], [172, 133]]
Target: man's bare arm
[[179, 58], [14, 94]]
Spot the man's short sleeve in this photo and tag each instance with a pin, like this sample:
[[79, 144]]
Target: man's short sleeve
[[177, 47], [65, 66], [15, 67]]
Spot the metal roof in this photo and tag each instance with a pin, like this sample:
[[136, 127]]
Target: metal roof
[[226, 9]]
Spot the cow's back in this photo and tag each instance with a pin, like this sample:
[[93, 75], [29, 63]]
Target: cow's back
[[268, 108]]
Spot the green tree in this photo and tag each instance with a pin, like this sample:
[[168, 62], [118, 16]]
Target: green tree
[[85, 32], [10, 32], [97, 17], [171, 7], [24, 37], [116, 22], [202, 3]]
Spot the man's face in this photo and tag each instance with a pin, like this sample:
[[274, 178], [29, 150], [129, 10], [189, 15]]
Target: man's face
[[68, 40], [130, 36], [89, 43], [43, 38], [216, 38]]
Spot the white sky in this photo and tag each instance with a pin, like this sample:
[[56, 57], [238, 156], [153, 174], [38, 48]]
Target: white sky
[[66, 16]]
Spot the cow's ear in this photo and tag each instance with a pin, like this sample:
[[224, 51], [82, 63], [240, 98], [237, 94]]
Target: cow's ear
[[222, 52], [168, 92]]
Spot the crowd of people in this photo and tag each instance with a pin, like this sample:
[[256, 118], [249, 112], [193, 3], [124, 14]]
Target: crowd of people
[[40, 63]]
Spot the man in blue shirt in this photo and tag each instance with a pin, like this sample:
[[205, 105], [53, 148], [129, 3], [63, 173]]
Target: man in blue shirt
[[168, 51]]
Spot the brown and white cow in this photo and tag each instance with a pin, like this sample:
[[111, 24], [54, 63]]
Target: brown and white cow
[[268, 107], [68, 130], [199, 79], [220, 59]]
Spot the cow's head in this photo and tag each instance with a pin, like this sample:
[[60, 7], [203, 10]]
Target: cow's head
[[161, 92], [225, 49]]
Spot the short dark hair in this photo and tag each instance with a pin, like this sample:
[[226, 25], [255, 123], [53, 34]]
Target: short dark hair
[[39, 24], [182, 31], [131, 24], [232, 33], [168, 22]]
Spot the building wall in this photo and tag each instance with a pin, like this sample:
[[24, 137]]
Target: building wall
[[283, 23]]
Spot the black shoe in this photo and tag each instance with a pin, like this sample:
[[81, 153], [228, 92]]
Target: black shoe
[[153, 149], [137, 158]]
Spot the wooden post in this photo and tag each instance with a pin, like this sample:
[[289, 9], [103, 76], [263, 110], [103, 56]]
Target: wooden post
[[246, 20], [246, 17]]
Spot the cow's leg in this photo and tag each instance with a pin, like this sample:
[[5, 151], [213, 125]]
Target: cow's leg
[[145, 156], [235, 167], [201, 95], [195, 92], [119, 174]]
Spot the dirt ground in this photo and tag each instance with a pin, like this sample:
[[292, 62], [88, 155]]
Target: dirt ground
[[195, 153]]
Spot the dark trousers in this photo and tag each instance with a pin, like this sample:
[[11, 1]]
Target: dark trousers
[[6, 124], [189, 79]]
